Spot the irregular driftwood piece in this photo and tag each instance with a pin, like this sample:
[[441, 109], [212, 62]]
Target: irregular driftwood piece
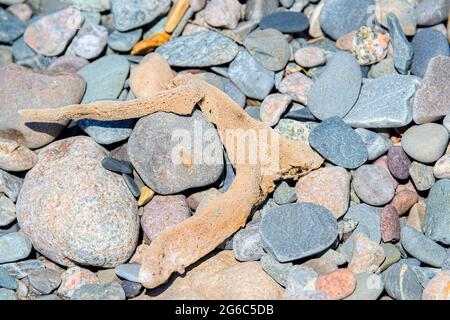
[[181, 245]]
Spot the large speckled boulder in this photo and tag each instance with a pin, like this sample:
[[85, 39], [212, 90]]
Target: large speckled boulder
[[75, 211]]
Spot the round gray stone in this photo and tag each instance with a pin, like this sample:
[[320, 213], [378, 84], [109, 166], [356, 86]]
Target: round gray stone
[[247, 243], [11, 27], [422, 176], [13, 247], [402, 282], [284, 194], [373, 185]]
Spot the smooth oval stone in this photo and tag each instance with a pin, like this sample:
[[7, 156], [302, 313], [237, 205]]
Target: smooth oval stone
[[436, 224], [247, 243], [422, 248], [384, 103], [129, 271], [338, 143], [427, 43], [151, 151], [124, 41], [403, 50], [119, 166], [369, 286], [390, 224], [15, 157], [200, 49], [107, 132], [109, 291], [295, 231], [432, 12], [90, 41], [135, 13], [402, 282], [373, 185], [376, 144], [269, 47], [398, 162], [108, 84], [425, 143], [251, 77], [336, 90], [11, 27], [285, 22], [356, 15], [13, 247], [223, 13], [441, 169]]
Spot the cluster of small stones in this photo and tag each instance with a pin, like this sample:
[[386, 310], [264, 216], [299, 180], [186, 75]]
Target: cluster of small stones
[[369, 91]]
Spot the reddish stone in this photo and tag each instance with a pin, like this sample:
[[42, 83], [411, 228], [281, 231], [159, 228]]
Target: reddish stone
[[337, 284], [390, 224], [404, 200]]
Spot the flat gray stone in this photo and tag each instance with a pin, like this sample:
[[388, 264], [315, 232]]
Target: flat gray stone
[[227, 86], [337, 88], [200, 49], [384, 103], [44, 280], [109, 291], [22, 269], [124, 41], [255, 10], [107, 132], [422, 176], [369, 286], [373, 185], [376, 144], [14, 247], [403, 50], [432, 12], [295, 231], [10, 185], [129, 271], [401, 282], [277, 270], [437, 215], [247, 243]]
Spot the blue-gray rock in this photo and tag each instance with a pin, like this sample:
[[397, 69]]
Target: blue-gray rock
[[401, 282], [132, 185], [129, 271], [339, 17], [124, 41], [116, 165], [284, 194], [427, 43], [376, 144], [422, 248], [247, 243], [422, 176], [22, 269], [131, 14], [229, 175], [10, 185], [14, 247], [7, 211], [255, 10], [11, 27], [384, 103], [337, 88], [107, 132], [285, 22], [383, 68], [436, 224], [200, 49], [6, 280], [295, 231], [6, 294], [21, 50], [131, 289], [250, 76], [300, 279], [373, 185], [446, 264], [107, 84], [253, 112], [151, 151], [403, 50], [44, 280], [269, 47], [338, 143], [277, 270], [432, 12], [369, 286], [109, 291], [300, 113], [227, 86], [90, 41]]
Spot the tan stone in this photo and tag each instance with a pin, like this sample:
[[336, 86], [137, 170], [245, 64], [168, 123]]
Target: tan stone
[[15, 157], [273, 106], [438, 288], [346, 41], [404, 200], [314, 24], [416, 216], [146, 195], [367, 255], [337, 284]]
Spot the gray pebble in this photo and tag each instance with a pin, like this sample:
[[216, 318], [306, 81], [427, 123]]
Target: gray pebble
[[10, 185], [6, 294], [124, 41], [373, 185], [129, 271], [227, 86], [376, 144], [7, 211], [284, 194], [44, 280], [109, 291], [107, 132], [401, 282], [432, 12], [90, 41], [14, 247], [118, 166], [369, 286], [277, 270], [22, 269], [300, 279], [422, 176], [21, 50], [131, 289], [247, 243], [403, 50], [6, 280], [437, 215], [11, 27]]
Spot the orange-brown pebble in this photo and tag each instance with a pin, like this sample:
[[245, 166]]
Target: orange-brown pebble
[[145, 197], [337, 284], [404, 200], [146, 45], [346, 41]]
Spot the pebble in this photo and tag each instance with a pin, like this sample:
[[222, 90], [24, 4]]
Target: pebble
[[131, 289], [273, 107], [356, 15], [376, 144], [23, 11], [427, 44], [327, 187], [390, 224], [295, 231], [402, 49], [369, 46], [432, 12], [338, 284], [285, 22], [309, 57], [425, 143], [398, 163], [118, 166], [22, 269], [11, 27], [297, 85], [68, 63], [384, 103], [432, 99], [336, 90], [391, 253], [79, 188], [7, 211], [247, 243], [338, 143], [269, 47], [10, 185], [50, 34], [383, 68], [300, 279], [277, 270], [401, 282], [130, 15], [255, 10], [163, 212], [373, 185], [108, 84], [416, 216], [110, 291], [367, 255], [441, 169], [300, 113], [129, 271], [369, 286], [227, 86], [107, 132], [13, 247], [90, 41], [404, 200], [6, 294], [124, 41], [44, 280], [284, 194], [422, 176], [184, 51], [6, 280], [186, 172], [404, 11], [437, 288], [74, 278], [132, 185], [223, 13], [436, 223], [422, 248], [35, 89]]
